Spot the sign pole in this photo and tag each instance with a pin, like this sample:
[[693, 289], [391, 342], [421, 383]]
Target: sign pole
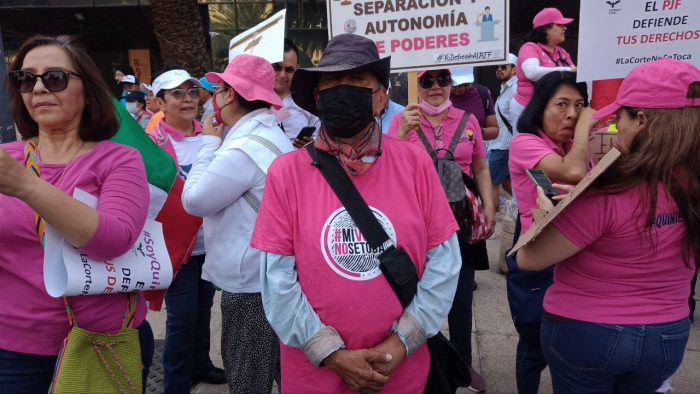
[[412, 87]]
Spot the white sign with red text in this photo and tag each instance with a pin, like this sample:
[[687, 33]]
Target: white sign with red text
[[68, 272], [427, 34], [617, 35]]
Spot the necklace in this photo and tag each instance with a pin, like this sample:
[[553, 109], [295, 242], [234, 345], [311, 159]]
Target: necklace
[[63, 172]]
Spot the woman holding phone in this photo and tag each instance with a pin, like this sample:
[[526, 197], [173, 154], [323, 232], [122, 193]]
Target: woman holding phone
[[626, 249], [553, 138]]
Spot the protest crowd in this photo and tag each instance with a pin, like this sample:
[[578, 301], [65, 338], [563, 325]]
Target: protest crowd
[[344, 229]]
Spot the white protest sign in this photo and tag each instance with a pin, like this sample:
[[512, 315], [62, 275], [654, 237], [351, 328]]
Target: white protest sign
[[618, 35], [266, 39], [146, 266], [426, 34]]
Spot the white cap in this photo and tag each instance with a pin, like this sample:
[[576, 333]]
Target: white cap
[[462, 75], [146, 87], [129, 79], [512, 59], [172, 79]]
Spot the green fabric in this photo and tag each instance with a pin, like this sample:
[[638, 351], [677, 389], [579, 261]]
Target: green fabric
[[160, 167], [99, 363]]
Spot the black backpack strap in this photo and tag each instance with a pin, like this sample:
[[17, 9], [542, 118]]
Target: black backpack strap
[[349, 196], [426, 143], [504, 120], [458, 132], [484, 94]]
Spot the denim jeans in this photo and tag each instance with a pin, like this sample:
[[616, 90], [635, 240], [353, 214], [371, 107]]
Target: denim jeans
[[188, 302], [605, 358], [22, 373]]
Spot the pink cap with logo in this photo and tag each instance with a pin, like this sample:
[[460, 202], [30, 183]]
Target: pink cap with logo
[[250, 76], [550, 15], [660, 84]]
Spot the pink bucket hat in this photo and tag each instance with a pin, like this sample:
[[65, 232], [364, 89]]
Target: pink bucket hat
[[660, 84], [550, 15], [250, 76]]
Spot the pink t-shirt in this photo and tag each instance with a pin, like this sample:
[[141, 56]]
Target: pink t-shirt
[[470, 147], [526, 151], [32, 321], [529, 50], [620, 276], [301, 216]]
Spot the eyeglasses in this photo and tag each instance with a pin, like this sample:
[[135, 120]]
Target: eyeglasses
[[504, 66], [179, 94], [427, 81], [53, 80], [278, 67]]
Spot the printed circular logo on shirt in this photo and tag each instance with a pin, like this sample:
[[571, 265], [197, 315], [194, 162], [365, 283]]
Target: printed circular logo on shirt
[[345, 248]]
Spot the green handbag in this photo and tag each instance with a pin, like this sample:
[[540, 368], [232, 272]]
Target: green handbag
[[92, 362]]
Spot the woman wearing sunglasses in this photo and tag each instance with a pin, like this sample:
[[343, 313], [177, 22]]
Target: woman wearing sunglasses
[[226, 187], [438, 120], [65, 114], [190, 298], [540, 55]]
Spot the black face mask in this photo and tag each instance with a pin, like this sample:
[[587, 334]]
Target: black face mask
[[345, 110]]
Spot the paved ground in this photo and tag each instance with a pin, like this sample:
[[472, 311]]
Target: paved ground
[[494, 339]]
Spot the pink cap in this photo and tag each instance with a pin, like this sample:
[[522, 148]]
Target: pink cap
[[660, 84], [421, 72], [550, 15], [250, 76]]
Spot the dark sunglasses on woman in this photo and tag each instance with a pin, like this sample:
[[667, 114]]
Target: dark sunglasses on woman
[[427, 81], [53, 80]]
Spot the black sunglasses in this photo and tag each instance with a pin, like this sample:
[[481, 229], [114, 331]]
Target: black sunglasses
[[278, 67], [53, 80], [504, 66], [427, 81]]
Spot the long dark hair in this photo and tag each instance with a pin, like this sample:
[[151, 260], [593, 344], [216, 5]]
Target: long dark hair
[[531, 119], [99, 121], [666, 151]]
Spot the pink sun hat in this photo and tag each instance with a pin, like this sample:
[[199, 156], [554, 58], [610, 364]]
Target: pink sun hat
[[250, 76], [550, 15], [660, 84]]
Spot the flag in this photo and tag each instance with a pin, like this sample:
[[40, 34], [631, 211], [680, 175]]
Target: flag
[[266, 40], [179, 227]]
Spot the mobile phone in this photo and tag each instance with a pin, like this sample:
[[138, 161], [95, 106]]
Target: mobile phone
[[307, 131], [541, 180]]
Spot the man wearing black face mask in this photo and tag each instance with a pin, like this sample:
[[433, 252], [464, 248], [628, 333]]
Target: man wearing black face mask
[[323, 291]]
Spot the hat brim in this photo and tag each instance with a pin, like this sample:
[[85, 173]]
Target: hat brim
[[178, 82], [305, 79], [564, 21], [249, 91], [607, 111]]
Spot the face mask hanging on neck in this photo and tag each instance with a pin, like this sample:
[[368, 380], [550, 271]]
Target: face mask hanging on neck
[[433, 110]]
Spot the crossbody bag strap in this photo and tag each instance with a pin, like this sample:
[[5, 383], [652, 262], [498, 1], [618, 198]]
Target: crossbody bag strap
[[31, 163], [504, 120], [349, 196], [248, 196], [458, 133], [426, 143]]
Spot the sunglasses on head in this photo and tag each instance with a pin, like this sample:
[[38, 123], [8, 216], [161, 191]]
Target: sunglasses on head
[[278, 67], [179, 94], [427, 81], [53, 80]]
